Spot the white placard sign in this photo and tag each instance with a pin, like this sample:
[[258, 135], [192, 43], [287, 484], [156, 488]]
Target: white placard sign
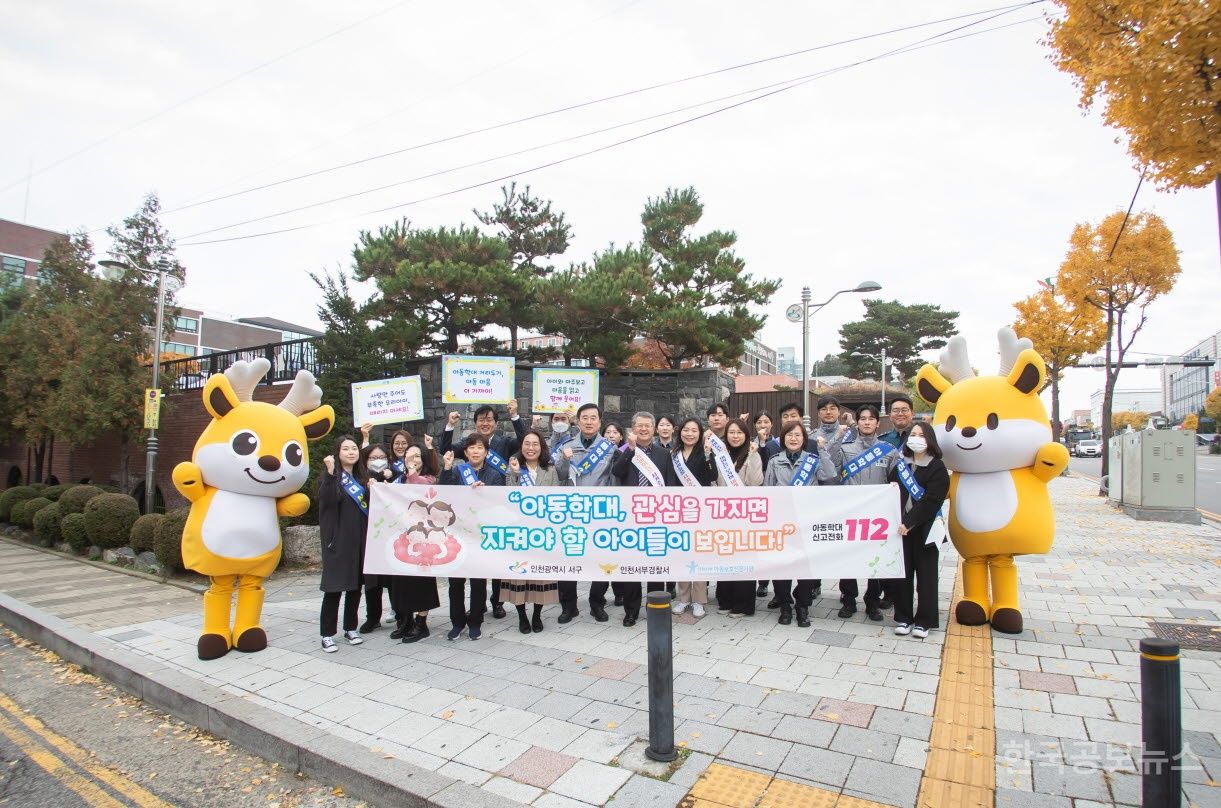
[[557, 389], [387, 401], [477, 379]]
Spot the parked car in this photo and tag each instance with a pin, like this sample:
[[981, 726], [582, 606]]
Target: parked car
[[1088, 448], [1203, 440]]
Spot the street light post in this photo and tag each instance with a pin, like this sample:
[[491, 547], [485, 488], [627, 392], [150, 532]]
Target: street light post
[[883, 377], [806, 307], [150, 460]]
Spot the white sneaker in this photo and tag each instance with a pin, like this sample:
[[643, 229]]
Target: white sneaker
[[389, 619], [329, 646], [353, 637], [903, 629], [697, 610], [920, 632], [679, 607]]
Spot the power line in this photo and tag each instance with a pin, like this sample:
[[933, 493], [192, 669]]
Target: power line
[[936, 39], [196, 96], [600, 100], [1131, 204]]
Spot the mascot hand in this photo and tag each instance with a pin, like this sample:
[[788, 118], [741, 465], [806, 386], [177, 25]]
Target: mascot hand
[[188, 479], [292, 505], [1051, 459]]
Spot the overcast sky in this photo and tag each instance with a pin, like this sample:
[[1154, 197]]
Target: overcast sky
[[951, 174]]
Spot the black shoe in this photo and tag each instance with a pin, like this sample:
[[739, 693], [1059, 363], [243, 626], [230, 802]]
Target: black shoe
[[370, 624], [537, 623], [498, 610], [786, 615], [774, 603], [400, 630], [885, 604], [416, 630], [599, 612], [847, 611], [817, 593], [629, 619], [618, 600], [874, 613], [803, 616], [761, 592], [566, 615], [523, 623]]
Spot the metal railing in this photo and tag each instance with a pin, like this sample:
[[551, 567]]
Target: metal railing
[[286, 359]]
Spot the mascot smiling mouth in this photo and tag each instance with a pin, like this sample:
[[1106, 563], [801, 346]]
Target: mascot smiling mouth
[[264, 482], [959, 445]]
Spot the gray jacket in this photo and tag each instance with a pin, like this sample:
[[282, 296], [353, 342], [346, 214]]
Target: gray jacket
[[875, 473], [547, 476], [599, 475], [780, 469]]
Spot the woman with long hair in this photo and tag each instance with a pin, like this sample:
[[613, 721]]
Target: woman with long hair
[[343, 516], [692, 465], [922, 458], [747, 470], [529, 467], [665, 433]]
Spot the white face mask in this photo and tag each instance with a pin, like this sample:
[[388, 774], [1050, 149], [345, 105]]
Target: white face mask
[[917, 444], [559, 427], [378, 465]]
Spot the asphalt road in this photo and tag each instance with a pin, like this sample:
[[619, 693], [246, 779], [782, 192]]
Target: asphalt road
[[1208, 477], [69, 740]]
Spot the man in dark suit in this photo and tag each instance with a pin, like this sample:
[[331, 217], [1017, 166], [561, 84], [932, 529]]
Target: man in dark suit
[[625, 472]]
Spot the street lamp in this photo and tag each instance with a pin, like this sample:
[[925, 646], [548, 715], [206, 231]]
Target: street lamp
[[883, 377], [802, 310], [115, 271]]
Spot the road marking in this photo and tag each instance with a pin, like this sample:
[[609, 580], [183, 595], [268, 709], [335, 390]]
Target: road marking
[[128, 788], [86, 790]]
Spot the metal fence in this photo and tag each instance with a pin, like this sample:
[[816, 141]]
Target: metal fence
[[286, 359]]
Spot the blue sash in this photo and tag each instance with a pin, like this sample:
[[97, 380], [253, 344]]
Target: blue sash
[[499, 463], [466, 474], [594, 456], [804, 474], [773, 444], [909, 480], [400, 471], [849, 436], [355, 490], [864, 460], [524, 478], [559, 447]]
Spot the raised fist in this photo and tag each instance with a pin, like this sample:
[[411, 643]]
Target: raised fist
[[449, 460], [428, 441], [567, 453], [514, 466], [453, 420], [329, 462], [512, 407]]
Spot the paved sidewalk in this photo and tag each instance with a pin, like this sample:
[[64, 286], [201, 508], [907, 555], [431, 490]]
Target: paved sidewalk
[[843, 709]]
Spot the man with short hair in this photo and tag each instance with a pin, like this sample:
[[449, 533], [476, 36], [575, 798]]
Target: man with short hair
[[872, 472], [642, 464], [901, 412], [586, 459], [718, 420]]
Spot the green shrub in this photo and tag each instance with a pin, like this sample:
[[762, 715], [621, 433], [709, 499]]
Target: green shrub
[[47, 525], [108, 520], [18, 493], [23, 513], [74, 499], [53, 492], [144, 532], [38, 486], [72, 525], [167, 543]]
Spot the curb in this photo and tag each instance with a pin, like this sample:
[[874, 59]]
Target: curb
[[198, 589], [263, 732]]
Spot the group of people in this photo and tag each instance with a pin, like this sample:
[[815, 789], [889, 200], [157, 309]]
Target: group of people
[[843, 448]]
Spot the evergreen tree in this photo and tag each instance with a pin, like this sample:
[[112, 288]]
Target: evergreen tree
[[596, 305], [904, 331]]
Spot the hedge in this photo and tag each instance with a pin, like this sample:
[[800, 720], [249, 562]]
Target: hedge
[[24, 512], [74, 499], [144, 532], [108, 520], [167, 544], [18, 493], [73, 527], [47, 526], [54, 492]]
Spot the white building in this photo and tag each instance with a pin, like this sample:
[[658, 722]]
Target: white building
[[1147, 399], [786, 361], [1186, 388]]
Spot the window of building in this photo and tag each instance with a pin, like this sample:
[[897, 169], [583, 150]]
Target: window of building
[[178, 348], [187, 324], [12, 271]]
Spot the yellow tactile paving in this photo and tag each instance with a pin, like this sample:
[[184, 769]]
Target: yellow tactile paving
[[787, 794], [960, 771], [857, 802], [730, 786]]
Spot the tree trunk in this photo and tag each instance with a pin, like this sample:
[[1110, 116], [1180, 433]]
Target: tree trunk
[[50, 459], [1056, 427], [124, 464], [1106, 406], [40, 453], [513, 339]]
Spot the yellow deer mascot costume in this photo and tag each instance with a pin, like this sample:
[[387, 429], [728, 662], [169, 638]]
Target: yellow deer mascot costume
[[995, 436], [244, 474]]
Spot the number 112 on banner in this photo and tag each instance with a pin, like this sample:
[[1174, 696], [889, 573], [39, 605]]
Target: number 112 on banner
[[867, 529]]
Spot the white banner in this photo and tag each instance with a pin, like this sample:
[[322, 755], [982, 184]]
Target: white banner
[[387, 401], [557, 389], [669, 534], [477, 379]]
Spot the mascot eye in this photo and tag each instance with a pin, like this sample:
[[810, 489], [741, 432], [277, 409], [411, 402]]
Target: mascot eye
[[993, 421], [949, 423], [293, 454], [245, 443]]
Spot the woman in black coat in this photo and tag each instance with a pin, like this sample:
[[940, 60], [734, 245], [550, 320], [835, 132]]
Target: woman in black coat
[[922, 456], [343, 521]]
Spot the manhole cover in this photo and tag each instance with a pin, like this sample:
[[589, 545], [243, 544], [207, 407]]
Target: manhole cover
[[1187, 635]]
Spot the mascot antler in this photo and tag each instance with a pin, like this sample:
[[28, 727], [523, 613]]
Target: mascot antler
[[954, 364], [1011, 346], [244, 376], [304, 395]]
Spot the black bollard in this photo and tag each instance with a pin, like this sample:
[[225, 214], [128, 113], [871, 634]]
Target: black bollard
[[1161, 723], [661, 677]]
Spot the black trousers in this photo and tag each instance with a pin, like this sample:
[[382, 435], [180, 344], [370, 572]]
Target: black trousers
[[495, 598], [848, 592], [373, 603], [739, 596], [568, 597], [802, 597], [920, 561], [459, 614], [329, 617]]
